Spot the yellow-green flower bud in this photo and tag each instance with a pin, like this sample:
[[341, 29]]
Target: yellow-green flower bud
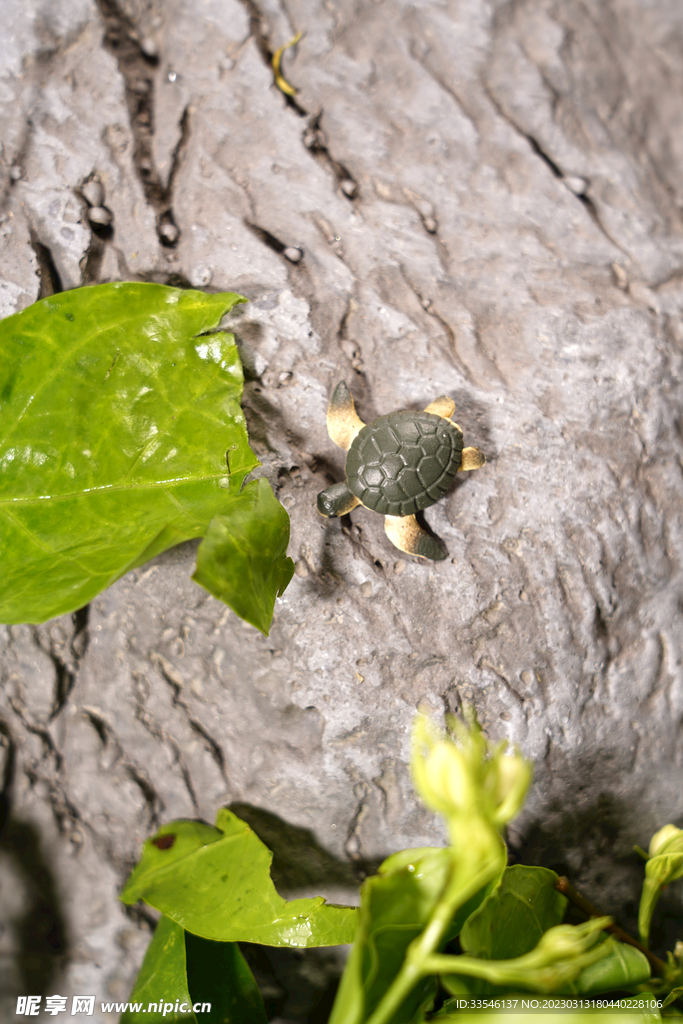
[[568, 941], [668, 840], [467, 779], [451, 788], [513, 776]]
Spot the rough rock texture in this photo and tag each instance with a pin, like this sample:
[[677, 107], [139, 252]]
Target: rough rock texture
[[487, 197]]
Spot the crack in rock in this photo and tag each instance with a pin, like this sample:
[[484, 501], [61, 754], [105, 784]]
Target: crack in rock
[[169, 672], [135, 66], [50, 281]]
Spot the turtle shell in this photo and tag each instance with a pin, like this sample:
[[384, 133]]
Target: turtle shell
[[403, 462]]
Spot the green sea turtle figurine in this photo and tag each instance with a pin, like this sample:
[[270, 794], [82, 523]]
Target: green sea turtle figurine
[[396, 466]]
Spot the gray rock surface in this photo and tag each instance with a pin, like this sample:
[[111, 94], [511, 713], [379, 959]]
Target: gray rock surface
[[487, 197]]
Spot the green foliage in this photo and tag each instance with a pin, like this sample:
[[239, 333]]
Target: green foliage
[[121, 435], [623, 967], [396, 905], [243, 558], [163, 975], [181, 968], [215, 883], [512, 920], [503, 923], [664, 865], [432, 919]]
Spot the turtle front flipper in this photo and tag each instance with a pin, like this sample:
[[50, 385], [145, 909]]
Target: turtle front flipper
[[336, 500], [472, 458], [442, 406], [342, 421], [406, 534]]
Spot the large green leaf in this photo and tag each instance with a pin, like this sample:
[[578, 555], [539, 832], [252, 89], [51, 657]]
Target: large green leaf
[[514, 917], [121, 434], [396, 905], [509, 923], [181, 971], [216, 883]]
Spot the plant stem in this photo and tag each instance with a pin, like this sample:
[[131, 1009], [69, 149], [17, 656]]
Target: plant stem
[[413, 967], [564, 886]]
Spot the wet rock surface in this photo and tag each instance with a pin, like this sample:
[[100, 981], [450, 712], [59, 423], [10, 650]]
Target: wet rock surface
[[474, 199]]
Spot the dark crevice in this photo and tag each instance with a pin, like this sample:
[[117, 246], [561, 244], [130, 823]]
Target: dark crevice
[[66, 668], [554, 168], [180, 149], [135, 66], [256, 30], [341, 330], [148, 791], [167, 672], [50, 281], [315, 141], [38, 730], [214, 748], [595, 217], [64, 683], [9, 751], [265, 236], [313, 137], [187, 779], [99, 725], [142, 916], [544, 156], [178, 280], [94, 257], [81, 637], [260, 37]]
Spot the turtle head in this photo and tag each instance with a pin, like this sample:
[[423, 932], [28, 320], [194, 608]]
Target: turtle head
[[336, 500]]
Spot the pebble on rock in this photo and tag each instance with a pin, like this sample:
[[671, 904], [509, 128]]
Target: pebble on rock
[[93, 193], [293, 254], [169, 232], [149, 47], [349, 188], [99, 215], [576, 184], [201, 276]]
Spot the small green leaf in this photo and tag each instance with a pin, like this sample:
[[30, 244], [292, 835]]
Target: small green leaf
[[396, 904], [162, 979], [516, 914], [674, 994], [216, 883], [121, 434], [243, 557]]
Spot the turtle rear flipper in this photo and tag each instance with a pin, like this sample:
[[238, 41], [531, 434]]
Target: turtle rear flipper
[[442, 406], [336, 500], [406, 534], [343, 423], [472, 458]]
